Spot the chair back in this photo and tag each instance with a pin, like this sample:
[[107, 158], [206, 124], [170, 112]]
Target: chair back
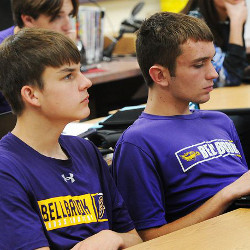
[[7, 123]]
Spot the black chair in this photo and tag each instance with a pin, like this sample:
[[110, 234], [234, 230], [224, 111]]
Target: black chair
[[7, 123], [241, 120], [5, 14]]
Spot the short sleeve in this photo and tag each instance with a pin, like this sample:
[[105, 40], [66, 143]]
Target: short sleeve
[[140, 185], [118, 215], [121, 220], [21, 227]]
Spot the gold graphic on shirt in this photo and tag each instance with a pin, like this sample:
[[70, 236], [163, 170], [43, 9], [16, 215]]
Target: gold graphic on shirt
[[101, 207], [189, 156], [196, 154], [69, 210]]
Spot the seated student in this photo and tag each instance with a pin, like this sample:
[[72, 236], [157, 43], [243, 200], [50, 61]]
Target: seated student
[[53, 15], [175, 167], [56, 191], [226, 19]]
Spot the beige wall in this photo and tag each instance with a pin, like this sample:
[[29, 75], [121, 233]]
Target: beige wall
[[247, 28], [119, 10]]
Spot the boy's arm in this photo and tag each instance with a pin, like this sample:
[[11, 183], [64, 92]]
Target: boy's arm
[[211, 208], [109, 240]]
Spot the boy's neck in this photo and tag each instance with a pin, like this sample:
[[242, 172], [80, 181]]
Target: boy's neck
[[165, 106], [42, 137], [16, 29]]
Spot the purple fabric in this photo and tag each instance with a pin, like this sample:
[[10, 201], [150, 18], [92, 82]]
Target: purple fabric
[[6, 33], [56, 203], [166, 167]]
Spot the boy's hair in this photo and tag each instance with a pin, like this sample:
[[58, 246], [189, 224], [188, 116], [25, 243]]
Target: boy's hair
[[25, 56], [35, 8], [160, 37]]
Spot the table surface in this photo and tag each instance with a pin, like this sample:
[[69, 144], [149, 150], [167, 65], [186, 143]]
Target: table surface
[[229, 231], [229, 98], [117, 69]]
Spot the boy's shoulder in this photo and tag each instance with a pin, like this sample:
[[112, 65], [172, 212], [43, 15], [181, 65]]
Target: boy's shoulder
[[9, 160], [75, 142], [214, 115], [147, 125]]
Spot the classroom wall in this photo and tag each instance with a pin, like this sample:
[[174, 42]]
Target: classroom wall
[[117, 11]]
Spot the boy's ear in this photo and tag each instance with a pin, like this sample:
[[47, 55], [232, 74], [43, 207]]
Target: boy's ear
[[28, 21], [159, 74], [30, 95]]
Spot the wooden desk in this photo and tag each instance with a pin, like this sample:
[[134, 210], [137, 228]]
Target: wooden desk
[[117, 69], [229, 98], [229, 231], [235, 102]]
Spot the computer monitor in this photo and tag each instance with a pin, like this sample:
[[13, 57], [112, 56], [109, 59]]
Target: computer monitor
[[7, 123]]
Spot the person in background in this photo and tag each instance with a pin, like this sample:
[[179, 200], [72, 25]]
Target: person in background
[[175, 167], [226, 19], [56, 190], [54, 15]]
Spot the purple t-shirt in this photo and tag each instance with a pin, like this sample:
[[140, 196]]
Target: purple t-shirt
[[6, 33], [4, 106], [56, 203], [174, 164]]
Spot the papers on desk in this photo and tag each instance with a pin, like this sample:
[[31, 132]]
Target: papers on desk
[[76, 128]]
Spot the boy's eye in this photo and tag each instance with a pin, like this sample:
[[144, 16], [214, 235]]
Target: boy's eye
[[57, 17], [68, 77], [198, 65]]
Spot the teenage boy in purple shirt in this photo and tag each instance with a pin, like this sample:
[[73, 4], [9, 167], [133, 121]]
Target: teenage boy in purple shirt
[[175, 167], [56, 191], [52, 15]]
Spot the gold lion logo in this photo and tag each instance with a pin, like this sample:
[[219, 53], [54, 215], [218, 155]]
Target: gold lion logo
[[190, 156]]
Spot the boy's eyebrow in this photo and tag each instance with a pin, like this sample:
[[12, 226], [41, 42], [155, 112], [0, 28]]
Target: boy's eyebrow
[[70, 13], [66, 70], [202, 58]]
